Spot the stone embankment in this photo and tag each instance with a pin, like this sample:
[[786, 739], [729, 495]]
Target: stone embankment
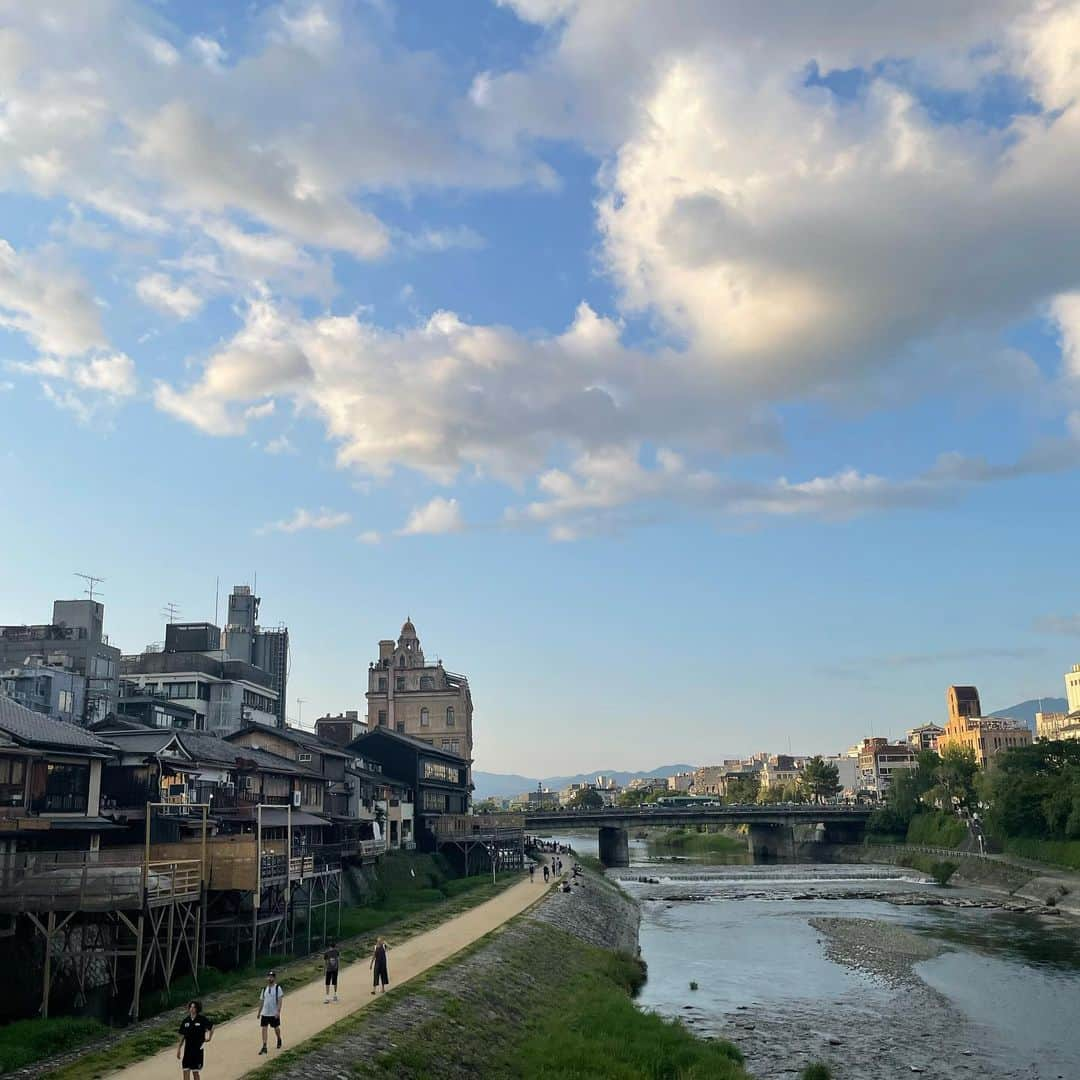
[[467, 1002]]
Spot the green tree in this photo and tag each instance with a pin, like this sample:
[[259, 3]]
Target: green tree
[[632, 797], [956, 777], [743, 789], [488, 806], [1034, 791], [586, 799], [820, 780]]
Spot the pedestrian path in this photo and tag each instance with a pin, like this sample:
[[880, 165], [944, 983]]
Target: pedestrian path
[[233, 1050]]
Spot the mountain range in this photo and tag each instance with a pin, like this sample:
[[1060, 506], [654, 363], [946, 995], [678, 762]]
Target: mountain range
[[504, 785]]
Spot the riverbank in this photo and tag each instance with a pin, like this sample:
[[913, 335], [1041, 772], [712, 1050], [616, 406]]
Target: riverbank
[[692, 842], [406, 895], [549, 995]]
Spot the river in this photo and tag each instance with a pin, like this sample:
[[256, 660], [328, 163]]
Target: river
[[847, 964]]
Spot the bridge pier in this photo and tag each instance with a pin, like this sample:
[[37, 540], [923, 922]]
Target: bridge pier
[[770, 841], [614, 846]]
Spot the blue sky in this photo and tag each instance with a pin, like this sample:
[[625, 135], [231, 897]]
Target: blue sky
[[700, 381]]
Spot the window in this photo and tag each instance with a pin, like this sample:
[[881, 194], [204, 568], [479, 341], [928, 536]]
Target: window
[[434, 800], [425, 719], [59, 789], [400, 726], [427, 682], [304, 758], [382, 718], [12, 775], [401, 660], [455, 746], [399, 683], [449, 715], [382, 685], [66, 701], [446, 744]]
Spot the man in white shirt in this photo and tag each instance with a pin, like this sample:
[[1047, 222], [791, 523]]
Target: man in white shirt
[[270, 1009]]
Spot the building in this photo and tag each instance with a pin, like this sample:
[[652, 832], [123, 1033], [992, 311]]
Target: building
[[847, 769], [341, 729], [879, 760], [984, 736], [409, 696], [779, 771], [51, 691], [1057, 725], [925, 736], [438, 779], [74, 641], [680, 782], [262, 647], [154, 709], [224, 693], [50, 783]]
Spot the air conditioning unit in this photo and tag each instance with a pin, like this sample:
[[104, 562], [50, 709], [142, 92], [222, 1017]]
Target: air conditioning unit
[[296, 799]]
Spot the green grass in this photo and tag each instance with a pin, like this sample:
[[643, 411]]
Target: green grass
[[935, 828], [941, 870], [1064, 853], [402, 905], [557, 1008], [816, 1071], [695, 842], [27, 1041]]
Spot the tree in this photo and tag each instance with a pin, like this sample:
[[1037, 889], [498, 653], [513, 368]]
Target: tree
[[956, 777], [743, 789], [633, 797], [488, 806], [586, 799], [820, 780], [1034, 791]]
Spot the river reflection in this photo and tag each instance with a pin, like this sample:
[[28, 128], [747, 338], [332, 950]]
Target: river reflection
[[743, 934]]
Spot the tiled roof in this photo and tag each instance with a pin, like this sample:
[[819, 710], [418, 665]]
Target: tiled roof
[[32, 729], [299, 736], [409, 740]]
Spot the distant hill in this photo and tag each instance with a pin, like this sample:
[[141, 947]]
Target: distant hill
[[504, 785], [1026, 710]]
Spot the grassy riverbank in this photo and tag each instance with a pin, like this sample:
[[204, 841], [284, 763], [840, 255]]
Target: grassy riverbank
[[1064, 853], [550, 1007], [690, 842], [401, 904]]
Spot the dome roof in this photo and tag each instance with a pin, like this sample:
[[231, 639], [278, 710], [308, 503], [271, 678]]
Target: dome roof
[[407, 629]]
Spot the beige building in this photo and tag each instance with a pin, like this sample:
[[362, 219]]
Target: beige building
[[925, 736], [1050, 726], [986, 736], [680, 782], [1072, 688], [779, 771], [879, 760], [412, 697]]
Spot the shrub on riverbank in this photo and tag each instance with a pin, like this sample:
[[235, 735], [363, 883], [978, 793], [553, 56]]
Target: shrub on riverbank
[[935, 828], [941, 870], [816, 1071], [1057, 852], [684, 840]]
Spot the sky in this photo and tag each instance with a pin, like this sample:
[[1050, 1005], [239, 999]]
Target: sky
[[701, 378]]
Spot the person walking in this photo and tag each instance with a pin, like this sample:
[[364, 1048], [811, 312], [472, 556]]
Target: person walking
[[545, 872], [270, 1009], [532, 871], [195, 1031], [332, 960], [378, 966]]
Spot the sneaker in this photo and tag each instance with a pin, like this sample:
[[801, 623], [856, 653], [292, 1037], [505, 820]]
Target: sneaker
[[335, 997], [263, 1050], [326, 1000], [279, 1042]]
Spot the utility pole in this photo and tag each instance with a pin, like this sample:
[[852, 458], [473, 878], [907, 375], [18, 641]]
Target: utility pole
[[300, 711], [170, 611]]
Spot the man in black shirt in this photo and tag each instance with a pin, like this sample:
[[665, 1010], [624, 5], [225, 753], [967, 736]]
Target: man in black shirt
[[195, 1030]]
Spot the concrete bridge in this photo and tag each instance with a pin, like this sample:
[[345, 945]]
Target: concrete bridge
[[771, 829]]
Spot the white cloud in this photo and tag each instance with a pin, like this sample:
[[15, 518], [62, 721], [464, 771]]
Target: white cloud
[[208, 50], [48, 303], [158, 291], [260, 411], [370, 536], [435, 518], [280, 445], [302, 520], [460, 236]]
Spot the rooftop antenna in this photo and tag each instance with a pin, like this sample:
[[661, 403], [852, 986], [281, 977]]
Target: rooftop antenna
[[300, 711], [91, 581], [170, 611], [217, 597]]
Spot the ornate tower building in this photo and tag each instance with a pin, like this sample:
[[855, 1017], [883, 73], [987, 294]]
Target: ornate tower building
[[408, 695]]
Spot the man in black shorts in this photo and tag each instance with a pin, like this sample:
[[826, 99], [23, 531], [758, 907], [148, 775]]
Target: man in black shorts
[[270, 1009], [332, 959], [195, 1031]]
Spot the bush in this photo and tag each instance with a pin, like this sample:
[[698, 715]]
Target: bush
[[885, 821], [941, 870], [1058, 852], [816, 1071], [935, 828]]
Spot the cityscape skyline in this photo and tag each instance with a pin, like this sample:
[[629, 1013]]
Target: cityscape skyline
[[686, 379]]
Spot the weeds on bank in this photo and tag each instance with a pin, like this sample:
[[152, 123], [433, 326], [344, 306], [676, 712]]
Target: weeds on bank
[[27, 1041]]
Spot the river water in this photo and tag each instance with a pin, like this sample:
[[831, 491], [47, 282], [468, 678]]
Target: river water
[[847, 964]]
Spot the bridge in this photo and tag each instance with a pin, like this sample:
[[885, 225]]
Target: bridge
[[770, 832]]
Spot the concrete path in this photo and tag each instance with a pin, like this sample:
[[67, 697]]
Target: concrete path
[[234, 1049]]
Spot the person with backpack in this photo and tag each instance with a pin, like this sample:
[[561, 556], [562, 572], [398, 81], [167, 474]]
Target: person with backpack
[[270, 1009], [331, 958]]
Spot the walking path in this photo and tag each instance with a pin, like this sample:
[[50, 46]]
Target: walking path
[[234, 1049]]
